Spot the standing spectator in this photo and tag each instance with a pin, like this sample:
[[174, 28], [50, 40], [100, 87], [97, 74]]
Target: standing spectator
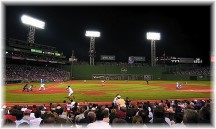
[[115, 99], [127, 102], [121, 104]]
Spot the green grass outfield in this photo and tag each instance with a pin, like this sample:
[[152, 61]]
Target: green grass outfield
[[87, 92]]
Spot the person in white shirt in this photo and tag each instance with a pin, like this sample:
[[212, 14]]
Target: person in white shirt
[[20, 120], [70, 91], [99, 123], [37, 120], [115, 99]]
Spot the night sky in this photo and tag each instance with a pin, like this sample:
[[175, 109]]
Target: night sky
[[185, 30]]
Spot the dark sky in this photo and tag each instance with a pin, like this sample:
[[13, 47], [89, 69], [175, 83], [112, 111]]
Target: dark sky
[[185, 30]]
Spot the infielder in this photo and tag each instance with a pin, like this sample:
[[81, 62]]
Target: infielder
[[178, 86], [30, 88], [42, 86], [70, 92]]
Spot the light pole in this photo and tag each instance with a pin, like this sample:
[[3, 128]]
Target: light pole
[[153, 36], [92, 35], [72, 60], [32, 23]]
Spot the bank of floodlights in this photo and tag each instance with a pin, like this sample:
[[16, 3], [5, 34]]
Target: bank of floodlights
[[92, 35], [153, 36], [32, 23]]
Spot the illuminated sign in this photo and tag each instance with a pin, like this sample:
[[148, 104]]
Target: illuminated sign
[[57, 54], [36, 51]]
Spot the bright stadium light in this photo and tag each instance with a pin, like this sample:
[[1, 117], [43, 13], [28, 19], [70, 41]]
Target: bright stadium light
[[153, 36], [32, 21], [92, 34], [92, 52]]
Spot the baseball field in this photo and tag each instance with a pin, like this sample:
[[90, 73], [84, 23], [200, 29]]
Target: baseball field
[[94, 91]]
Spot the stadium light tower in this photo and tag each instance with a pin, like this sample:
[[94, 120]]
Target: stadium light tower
[[92, 35], [153, 36], [32, 23]]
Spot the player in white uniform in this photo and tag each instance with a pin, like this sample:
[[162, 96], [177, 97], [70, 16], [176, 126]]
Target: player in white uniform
[[42, 86], [177, 85], [103, 82], [30, 88], [70, 92]]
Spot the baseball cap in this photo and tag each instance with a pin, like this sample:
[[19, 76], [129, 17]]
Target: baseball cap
[[119, 96], [59, 107], [27, 111]]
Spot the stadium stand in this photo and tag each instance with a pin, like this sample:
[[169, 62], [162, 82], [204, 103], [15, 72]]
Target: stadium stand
[[165, 113], [16, 72]]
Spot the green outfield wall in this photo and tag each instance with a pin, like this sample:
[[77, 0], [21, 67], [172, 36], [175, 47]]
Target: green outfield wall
[[85, 72]]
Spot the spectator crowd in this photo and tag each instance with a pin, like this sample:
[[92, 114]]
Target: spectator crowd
[[16, 72], [121, 113]]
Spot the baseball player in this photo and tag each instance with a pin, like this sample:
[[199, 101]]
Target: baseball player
[[70, 92], [42, 86]]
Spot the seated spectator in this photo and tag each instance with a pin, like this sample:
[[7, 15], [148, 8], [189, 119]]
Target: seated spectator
[[19, 117], [26, 116], [159, 117], [97, 122], [23, 125], [48, 120], [137, 121], [37, 120], [8, 123], [190, 117], [85, 121], [205, 115], [113, 115], [178, 120], [118, 122]]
